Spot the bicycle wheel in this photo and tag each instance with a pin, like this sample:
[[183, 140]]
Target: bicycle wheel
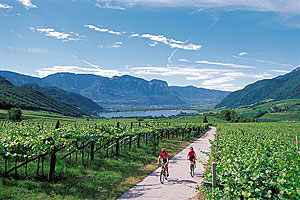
[[162, 177], [192, 170]]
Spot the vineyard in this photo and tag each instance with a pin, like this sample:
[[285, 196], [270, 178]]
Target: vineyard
[[256, 161], [36, 151]]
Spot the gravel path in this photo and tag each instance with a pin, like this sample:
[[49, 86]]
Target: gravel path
[[180, 184]]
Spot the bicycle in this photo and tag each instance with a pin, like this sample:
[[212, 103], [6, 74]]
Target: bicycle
[[163, 173], [192, 168]]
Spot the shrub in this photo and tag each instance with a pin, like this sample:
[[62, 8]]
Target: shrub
[[15, 114]]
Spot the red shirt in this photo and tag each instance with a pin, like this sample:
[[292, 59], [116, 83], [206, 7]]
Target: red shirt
[[164, 155], [192, 154]]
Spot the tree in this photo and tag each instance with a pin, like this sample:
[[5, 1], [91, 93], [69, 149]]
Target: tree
[[15, 114], [57, 125], [205, 119]]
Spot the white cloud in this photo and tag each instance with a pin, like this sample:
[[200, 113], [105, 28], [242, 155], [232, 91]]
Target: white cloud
[[113, 45], [264, 61], [27, 4], [5, 6], [183, 60], [170, 42], [282, 6], [261, 76], [190, 73], [224, 64], [217, 81], [31, 50], [109, 5], [103, 30], [50, 32], [224, 87], [79, 70], [280, 71], [134, 35], [171, 56], [243, 53]]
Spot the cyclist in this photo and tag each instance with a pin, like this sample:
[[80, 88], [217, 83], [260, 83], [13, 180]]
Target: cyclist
[[165, 158], [191, 156]]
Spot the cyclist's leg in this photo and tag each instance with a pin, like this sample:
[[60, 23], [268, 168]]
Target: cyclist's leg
[[167, 168]]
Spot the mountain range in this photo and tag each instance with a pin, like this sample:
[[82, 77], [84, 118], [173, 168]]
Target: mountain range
[[279, 88], [121, 90]]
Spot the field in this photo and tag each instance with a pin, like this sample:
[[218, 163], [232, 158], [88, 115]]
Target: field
[[95, 159], [256, 161]]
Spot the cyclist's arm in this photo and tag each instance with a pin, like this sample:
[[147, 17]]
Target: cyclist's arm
[[158, 160]]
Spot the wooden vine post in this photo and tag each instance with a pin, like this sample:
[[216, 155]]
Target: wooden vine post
[[117, 147], [52, 166], [138, 140], [130, 142], [214, 174], [92, 150]]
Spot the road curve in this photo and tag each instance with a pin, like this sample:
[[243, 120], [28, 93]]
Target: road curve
[[180, 184]]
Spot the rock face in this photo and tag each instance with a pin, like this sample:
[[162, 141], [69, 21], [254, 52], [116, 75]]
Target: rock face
[[282, 87], [121, 90]]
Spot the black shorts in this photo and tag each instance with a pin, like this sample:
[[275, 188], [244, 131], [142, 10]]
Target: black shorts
[[192, 158], [165, 160]]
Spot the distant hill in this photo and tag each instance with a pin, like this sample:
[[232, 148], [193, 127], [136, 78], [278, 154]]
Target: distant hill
[[282, 87], [121, 90], [71, 98], [195, 96], [20, 79], [27, 98]]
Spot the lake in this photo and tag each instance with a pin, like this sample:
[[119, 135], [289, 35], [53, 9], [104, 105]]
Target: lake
[[165, 113]]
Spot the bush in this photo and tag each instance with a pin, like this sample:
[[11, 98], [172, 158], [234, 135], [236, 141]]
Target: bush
[[15, 114], [205, 120]]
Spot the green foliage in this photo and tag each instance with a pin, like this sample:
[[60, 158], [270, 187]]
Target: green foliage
[[74, 99], [15, 114], [256, 161], [139, 119], [26, 98], [279, 88], [232, 116]]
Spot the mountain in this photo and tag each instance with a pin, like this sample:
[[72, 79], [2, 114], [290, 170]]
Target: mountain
[[71, 98], [282, 87], [195, 96], [121, 90], [27, 98], [21, 79]]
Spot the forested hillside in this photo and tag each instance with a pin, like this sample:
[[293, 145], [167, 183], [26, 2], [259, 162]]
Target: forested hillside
[[282, 87], [26, 98]]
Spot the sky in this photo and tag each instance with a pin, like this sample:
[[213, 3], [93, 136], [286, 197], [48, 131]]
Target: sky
[[214, 44]]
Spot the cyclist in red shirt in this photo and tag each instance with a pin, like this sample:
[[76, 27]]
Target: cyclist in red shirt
[[191, 156], [165, 158]]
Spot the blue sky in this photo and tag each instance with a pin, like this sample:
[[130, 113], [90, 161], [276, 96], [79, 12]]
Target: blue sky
[[216, 44]]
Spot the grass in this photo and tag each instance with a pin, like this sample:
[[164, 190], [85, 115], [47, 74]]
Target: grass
[[104, 178]]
